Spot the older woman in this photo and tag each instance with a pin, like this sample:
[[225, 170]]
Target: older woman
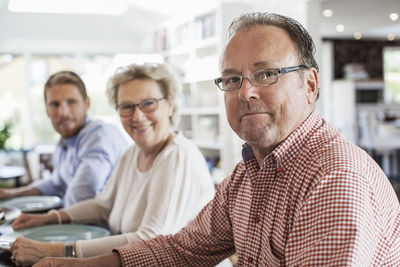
[[158, 186]]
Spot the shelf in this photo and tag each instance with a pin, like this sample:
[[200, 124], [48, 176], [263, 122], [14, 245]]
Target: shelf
[[201, 111], [370, 85], [204, 144], [192, 47]]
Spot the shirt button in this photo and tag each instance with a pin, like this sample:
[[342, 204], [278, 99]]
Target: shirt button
[[256, 219], [281, 170], [250, 259]]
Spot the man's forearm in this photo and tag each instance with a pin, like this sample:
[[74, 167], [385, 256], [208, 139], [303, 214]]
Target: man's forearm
[[25, 191]]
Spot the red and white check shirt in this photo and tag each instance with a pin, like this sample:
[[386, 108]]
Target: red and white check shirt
[[316, 200]]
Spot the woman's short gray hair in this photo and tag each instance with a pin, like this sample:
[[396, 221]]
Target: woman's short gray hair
[[160, 73], [299, 35]]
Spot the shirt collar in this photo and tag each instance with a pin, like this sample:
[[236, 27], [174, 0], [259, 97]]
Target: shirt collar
[[294, 141], [69, 142]]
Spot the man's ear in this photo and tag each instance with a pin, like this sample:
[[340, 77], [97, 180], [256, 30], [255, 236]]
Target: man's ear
[[87, 103], [312, 85]]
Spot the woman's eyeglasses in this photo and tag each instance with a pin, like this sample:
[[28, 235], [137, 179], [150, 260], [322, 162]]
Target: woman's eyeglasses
[[146, 105]]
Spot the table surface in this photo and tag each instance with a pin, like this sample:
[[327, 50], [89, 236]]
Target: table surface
[[7, 172]]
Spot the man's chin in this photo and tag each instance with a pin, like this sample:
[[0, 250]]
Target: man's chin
[[67, 133], [258, 138]]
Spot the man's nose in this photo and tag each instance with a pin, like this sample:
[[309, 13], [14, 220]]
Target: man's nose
[[248, 91], [63, 109]]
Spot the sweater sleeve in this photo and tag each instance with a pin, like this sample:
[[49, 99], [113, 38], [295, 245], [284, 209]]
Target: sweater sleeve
[[103, 245]]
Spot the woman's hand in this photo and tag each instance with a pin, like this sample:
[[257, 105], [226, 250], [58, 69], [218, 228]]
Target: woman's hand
[[61, 262], [32, 220], [25, 252], [108, 260]]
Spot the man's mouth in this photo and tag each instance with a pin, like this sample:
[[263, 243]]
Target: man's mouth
[[65, 123]]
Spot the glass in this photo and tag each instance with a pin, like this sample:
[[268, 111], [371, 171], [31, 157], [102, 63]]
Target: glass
[[391, 70], [257, 78], [146, 105]]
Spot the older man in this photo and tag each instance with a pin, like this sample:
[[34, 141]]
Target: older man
[[302, 196], [87, 151]]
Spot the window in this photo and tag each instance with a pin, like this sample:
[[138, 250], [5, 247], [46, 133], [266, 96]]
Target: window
[[21, 91], [391, 59]]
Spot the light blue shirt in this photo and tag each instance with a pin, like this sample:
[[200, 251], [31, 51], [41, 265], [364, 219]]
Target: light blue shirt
[[83, 163]]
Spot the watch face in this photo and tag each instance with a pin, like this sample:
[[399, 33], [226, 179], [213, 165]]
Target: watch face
[[69, 250]]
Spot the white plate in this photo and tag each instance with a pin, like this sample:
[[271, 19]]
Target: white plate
[[33, 203], [55, 233], [8, 214]]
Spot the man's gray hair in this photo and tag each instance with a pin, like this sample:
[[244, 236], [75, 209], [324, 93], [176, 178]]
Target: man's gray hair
[[299, 35]]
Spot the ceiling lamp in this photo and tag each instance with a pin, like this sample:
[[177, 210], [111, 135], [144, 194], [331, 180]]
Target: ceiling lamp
[[339, 27], [357, 35], [327, 13], [391, 37], [394, 16]]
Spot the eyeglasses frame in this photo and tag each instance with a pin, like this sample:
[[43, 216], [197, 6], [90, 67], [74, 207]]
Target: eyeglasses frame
[[133, 106], [280, 71]]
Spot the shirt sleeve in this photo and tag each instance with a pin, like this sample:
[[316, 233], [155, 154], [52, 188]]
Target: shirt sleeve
[[98, 150], [53, 186], [339, 224], [90, 175], [204, 242], [87, 163]]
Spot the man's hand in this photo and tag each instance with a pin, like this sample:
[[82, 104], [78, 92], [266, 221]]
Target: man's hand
[[32, 220], [19, 192], [6, 193], [25, 252]]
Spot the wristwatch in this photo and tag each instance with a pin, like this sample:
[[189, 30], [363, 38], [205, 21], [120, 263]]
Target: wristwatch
[[69, 250]]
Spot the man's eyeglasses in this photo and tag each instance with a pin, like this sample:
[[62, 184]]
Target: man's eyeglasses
[[257, 78], [146, 105]]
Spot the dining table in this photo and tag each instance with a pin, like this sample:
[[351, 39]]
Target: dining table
[[47, 233], [12, 172]]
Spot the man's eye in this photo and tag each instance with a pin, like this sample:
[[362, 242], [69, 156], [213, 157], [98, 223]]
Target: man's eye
[[54, 104], [231, 80], [71, 101], [263, 75]]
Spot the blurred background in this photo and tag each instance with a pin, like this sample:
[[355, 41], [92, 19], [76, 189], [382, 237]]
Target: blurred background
[[358, 50]]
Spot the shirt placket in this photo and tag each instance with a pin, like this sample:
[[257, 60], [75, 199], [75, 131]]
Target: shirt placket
[[261, 181]]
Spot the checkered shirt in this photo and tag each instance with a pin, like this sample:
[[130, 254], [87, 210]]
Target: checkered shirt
[[316, 200]]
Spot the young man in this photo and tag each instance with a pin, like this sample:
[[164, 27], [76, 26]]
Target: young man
[[87, 151], [303, 195]]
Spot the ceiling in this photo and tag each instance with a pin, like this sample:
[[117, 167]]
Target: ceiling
[[369, 17], [127, 31]]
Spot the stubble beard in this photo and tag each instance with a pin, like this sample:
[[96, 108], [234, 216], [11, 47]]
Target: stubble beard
[[259, 137]]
